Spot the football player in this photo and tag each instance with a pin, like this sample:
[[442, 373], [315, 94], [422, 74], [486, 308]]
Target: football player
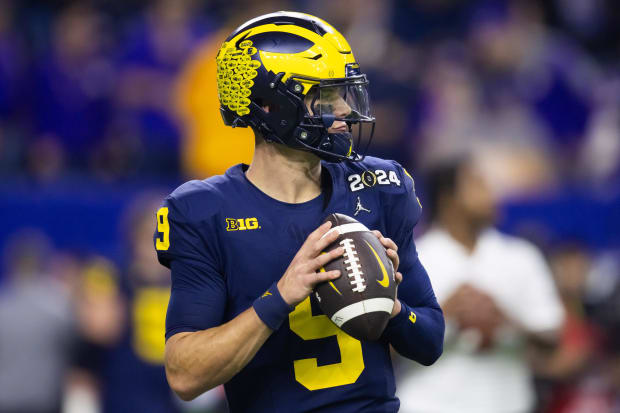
[[244, 248]]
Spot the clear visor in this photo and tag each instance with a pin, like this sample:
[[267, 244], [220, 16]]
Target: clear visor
[[345, 100]]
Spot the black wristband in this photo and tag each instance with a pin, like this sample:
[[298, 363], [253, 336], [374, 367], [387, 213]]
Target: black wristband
[[271, 307]]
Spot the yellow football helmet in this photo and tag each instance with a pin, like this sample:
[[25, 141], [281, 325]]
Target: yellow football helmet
[[303, 70]]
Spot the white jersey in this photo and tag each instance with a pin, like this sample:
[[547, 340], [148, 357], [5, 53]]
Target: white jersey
[[497, 380]]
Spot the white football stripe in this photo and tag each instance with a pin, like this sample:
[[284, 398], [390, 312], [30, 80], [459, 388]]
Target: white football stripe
[[362, 307], [346, 228]]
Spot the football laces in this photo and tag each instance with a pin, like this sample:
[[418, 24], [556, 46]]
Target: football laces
[[353, 267]]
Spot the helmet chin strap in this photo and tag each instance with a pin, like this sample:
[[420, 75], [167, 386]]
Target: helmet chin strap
[[328, 120], [337, 143]]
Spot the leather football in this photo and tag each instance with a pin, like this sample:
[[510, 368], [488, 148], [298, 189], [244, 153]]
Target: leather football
[[360, 301]]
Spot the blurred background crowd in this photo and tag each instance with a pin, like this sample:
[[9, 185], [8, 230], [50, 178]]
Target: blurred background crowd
[[106, 106]]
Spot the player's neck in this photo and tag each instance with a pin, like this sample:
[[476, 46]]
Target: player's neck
[[285, 174]]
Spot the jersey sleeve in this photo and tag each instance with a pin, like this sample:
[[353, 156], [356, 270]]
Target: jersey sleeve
[[198, 290], [404, 213], [417, 331], [540, 308]]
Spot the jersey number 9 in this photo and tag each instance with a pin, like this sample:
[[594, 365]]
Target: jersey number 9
[[163, 243]]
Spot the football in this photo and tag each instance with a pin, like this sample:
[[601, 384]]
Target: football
[[360, 301]]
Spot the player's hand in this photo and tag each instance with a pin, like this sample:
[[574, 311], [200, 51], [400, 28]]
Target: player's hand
[[392, 253], [304, 273], [391, 249], [474, 309]]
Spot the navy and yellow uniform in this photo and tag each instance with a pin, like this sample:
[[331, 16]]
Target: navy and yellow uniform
[[226, 242]]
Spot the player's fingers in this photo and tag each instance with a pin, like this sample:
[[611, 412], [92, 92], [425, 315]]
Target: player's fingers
[[323, 259], [319, 232], [326, 276], [318, 240], [323, 242], [399, 278], [388, 243], [393, 256]]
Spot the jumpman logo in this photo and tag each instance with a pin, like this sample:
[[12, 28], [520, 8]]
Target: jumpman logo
[[359, 208]]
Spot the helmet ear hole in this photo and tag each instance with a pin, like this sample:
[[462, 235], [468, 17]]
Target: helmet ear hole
[[268, 107], [272, 107]]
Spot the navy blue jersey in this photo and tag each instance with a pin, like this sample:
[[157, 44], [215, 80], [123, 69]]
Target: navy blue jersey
[[226, 242]]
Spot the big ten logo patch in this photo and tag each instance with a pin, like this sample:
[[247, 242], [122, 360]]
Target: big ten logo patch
[[149, 323], [241, 224]]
